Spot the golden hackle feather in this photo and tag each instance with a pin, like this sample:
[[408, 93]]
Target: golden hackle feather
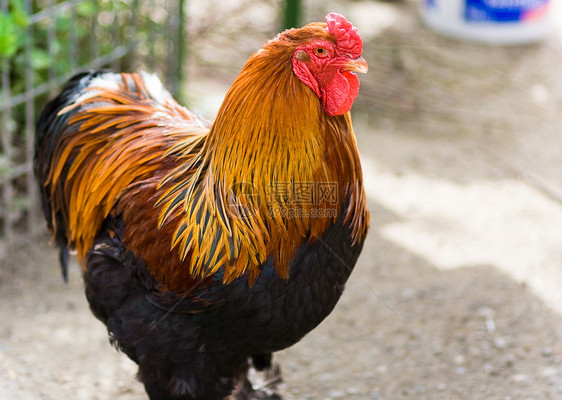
[[270, 129], [197, 202]]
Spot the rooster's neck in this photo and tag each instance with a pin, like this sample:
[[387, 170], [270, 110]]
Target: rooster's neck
[[269, 127]]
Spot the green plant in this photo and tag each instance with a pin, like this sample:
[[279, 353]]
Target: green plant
[[11, 24]]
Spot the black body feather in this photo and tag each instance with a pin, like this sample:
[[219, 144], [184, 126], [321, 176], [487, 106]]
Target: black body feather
[[191, 347]]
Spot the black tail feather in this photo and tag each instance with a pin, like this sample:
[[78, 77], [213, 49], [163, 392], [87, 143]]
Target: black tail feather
[[63, 258], [49, 130]]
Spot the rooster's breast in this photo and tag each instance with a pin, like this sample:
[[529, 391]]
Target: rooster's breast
[[274, 313]]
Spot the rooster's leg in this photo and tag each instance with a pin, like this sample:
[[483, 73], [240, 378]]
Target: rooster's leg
[[265, 382]]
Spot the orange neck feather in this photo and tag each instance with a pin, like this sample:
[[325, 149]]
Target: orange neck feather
[[270, 132]]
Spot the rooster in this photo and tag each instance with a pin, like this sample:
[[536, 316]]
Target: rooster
[[206, 248]]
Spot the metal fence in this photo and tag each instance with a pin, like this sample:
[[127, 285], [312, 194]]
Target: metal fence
[[51, 41]]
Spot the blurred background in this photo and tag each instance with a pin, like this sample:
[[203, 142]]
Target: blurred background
[[458, 292]]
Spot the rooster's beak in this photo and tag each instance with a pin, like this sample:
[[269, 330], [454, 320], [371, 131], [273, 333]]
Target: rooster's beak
[[357, 65]]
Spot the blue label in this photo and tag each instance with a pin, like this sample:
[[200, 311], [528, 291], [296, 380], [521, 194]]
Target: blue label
[[430, 3], [504, 10]]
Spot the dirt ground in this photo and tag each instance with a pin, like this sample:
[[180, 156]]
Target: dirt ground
[[458, 292]]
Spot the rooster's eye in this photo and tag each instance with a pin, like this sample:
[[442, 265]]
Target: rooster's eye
[[320, 51]]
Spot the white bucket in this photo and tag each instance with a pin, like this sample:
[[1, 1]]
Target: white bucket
[[491, 21]]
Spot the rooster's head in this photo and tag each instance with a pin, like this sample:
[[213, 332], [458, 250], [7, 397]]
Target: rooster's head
[[325, 59]]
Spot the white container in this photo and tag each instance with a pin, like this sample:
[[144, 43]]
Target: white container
[[491, 21]]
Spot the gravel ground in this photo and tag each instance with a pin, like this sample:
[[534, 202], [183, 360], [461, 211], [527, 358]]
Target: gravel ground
[[457, 292]]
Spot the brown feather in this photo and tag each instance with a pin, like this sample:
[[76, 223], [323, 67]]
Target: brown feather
[[181, 190], [270, 129]]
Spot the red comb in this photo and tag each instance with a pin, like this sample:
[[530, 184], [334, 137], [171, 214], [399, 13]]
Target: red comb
[[347, 38]]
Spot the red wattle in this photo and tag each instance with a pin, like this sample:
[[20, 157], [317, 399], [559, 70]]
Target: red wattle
[[339, 95]]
